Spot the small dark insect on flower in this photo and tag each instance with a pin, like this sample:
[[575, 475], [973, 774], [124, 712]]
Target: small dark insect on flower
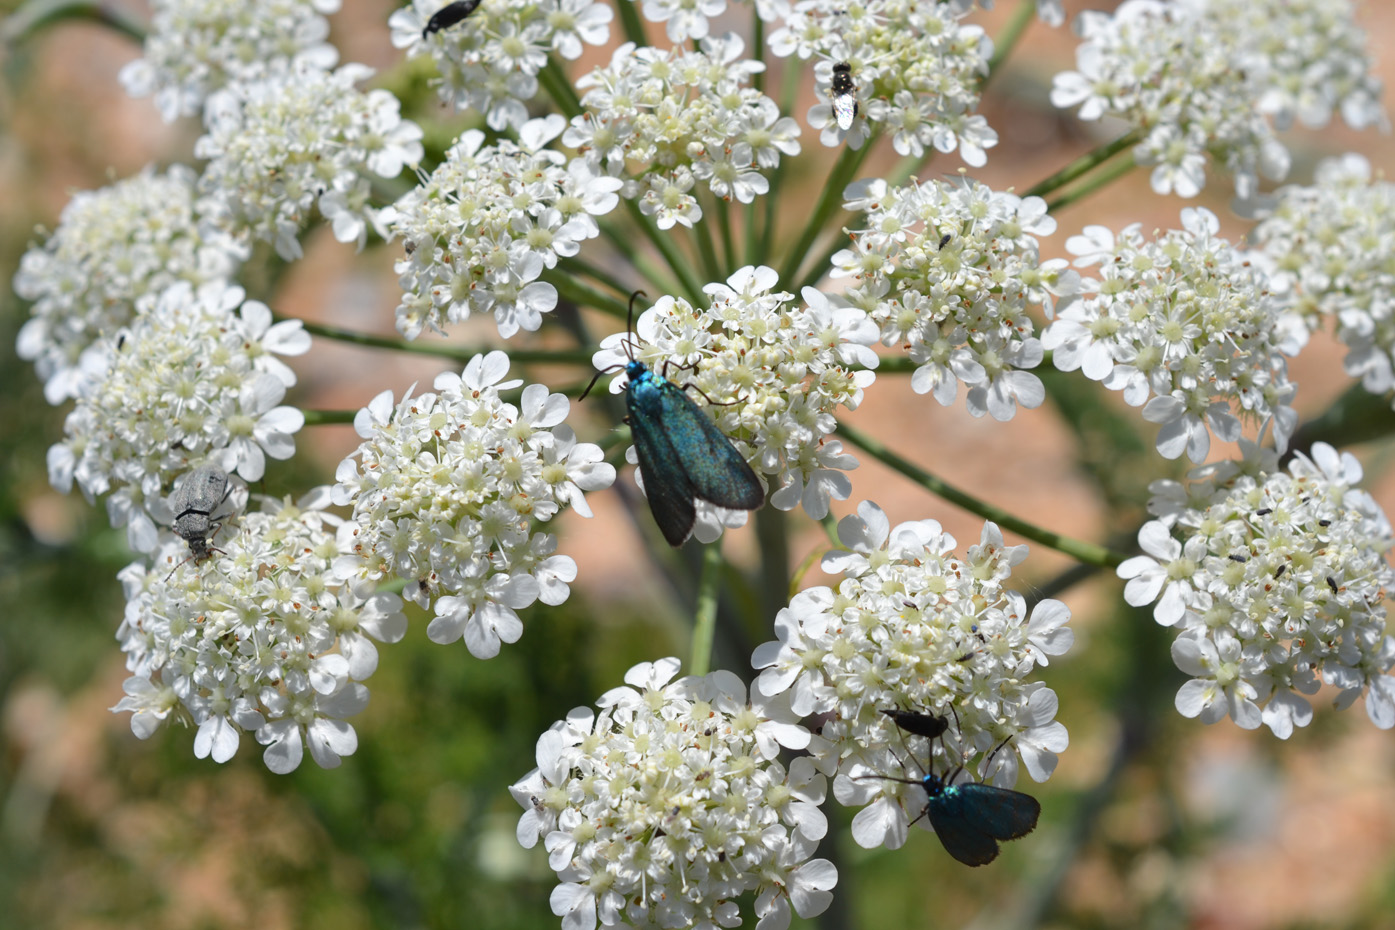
[[1264, 511], [844, 95], [202, 492], [944, 240], [1282, 568], [1332, 583], [1238, 558], [449, 15]]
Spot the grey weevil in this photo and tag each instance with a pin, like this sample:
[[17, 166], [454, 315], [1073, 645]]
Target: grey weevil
[[202, 492]]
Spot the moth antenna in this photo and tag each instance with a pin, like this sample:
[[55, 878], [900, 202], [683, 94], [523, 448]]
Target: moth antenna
[[630, 323]]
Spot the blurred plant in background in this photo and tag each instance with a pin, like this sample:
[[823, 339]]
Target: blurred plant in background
[[776, 179]]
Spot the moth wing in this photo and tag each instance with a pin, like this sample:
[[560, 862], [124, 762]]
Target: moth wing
[[666, 483], [956, 823], [1001, 812], [718, 472]]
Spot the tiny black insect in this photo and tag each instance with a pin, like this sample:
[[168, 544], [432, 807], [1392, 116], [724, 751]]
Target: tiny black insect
[[844, 94], [449, 15], [944, 241], [1264, 511], [1238, 558], [1332, 583], [1282, 568], [929, 725]]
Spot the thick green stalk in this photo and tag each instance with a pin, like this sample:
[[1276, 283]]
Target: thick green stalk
[[631, 23], [830, 200], [576, 267], [458, 353], [677, 263], [705, 615], [573, 289], [657, 276], [559, 87], [1085, 163], [326, 417], [707, 248], [1095, 182], [1007, 40], [25, 22], [1082, 551]]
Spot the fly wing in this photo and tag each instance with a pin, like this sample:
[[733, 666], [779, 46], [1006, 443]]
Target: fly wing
[[717, 471], [666, 483], [1001, 812], [957, 824]]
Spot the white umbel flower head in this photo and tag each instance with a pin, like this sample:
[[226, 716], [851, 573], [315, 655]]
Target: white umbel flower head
[[661, 119], [915, 627], [1333, 249], [670, 803], [1201, 80], [1187, 328], [193, 378], [490, 60], [448, 491], [1274, 581], [297, 140], [260, 638], [916, 67], [196, 47], [487, 223], [112, 246], [777, 372], [948, 270]]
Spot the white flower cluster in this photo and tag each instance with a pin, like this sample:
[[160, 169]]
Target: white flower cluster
[[447, 490], [1187, 328], [260, 638], [297, 139], [491, 60], [683, 116], [487, 222], [1333, 249], [916, 67], [671, 803], [1200, 79], [915, 627], [948, 269], [112, 245], [192, 378], [196, 47], [777, 371], [1275, 581]]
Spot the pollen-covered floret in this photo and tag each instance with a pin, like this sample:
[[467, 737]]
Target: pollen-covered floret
[[671, 804], [449, 491], [1186, 326], [260, 638], [913, 626], [1275, 582]]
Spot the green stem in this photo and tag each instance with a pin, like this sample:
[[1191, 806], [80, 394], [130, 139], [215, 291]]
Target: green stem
[[830, 200], [458, 353], [707, 247], [705, 616], [25, 22], [1096, 181], [724, 209], [677, 263], [585, 295], [656, 275], [576, 267], [1087, 162], [326, 417], [1082, 551], [631, 23], [559, 87], [1008, 38]]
